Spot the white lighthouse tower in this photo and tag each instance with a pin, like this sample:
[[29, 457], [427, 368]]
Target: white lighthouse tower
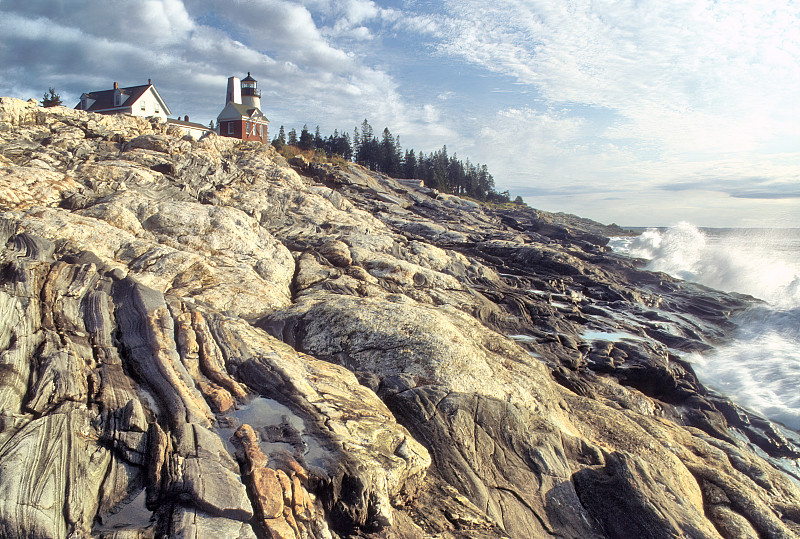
[[251, 95]]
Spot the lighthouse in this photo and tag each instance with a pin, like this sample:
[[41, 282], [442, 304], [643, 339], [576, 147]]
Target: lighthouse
[[242, 117], [251, 95]]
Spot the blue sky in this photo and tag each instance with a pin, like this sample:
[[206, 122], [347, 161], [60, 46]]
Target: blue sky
[[635, 112]]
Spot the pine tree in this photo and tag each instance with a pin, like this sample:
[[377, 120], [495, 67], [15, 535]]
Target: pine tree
[[410, 165], [437, 169], [356, 141], [366, 131], [389, 157], [51, 100], [347, 147], [472, 184], [319, 143], [368, 153], [279, 141], [306, 141], [440, 163]]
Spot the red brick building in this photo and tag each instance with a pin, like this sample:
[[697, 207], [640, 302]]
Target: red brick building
[[242, 117]]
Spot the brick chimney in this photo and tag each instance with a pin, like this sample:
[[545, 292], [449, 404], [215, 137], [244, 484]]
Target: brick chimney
[[116, 86], [186, 118]]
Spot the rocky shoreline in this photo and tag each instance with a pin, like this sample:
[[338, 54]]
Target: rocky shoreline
[[199, 339]]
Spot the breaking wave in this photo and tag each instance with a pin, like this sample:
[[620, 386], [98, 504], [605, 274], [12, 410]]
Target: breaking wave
[[761, 263], [760, 367]]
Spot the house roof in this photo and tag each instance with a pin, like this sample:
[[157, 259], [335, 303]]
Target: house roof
[[242, 110], [104, 99], [187, 124]]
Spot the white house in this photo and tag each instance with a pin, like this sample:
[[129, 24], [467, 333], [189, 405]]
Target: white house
[[141, 100], [193, 129]]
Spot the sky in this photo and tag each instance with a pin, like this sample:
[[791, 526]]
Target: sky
[[636, 112]]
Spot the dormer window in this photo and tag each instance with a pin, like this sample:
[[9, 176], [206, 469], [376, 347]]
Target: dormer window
[[117, 99]]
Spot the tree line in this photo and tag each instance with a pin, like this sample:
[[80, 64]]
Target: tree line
[[384, 154]]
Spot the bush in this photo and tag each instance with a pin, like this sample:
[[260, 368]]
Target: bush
[[52, 100]]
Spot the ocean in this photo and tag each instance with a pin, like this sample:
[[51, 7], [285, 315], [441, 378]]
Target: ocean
[[759, 368]]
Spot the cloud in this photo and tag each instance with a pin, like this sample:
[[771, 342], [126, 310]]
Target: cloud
[[190, 48], [281, 28], [528, 148], [577, 103], [720, 75], [363, 20], [639, 97], [155, 22], [749, 187], [358, 11]]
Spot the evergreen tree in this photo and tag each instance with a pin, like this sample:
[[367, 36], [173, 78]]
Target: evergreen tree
[[306, 141], [456, 177], [51, 100], [439, 169], [319, 143], [470, 179], [390, 158], [368, 154], [347, 147], [279, 141], [356, 141], [366, 131], [485, 182], [410, 165]]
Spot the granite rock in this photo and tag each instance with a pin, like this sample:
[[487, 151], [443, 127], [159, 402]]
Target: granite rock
[[200, 339]]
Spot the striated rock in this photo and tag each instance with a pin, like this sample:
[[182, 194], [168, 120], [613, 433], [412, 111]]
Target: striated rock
[[197, 341], [193, 524]]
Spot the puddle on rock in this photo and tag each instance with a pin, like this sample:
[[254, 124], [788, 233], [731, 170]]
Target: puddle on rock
[[280, 432], [523, 338], [610, 336]]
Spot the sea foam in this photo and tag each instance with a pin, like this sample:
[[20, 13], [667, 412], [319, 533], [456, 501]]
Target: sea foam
[[759, 368], [761, 263]]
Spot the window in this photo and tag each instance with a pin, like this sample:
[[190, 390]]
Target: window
[[155, 107], [117, 99], [143, 106], [230, 128]]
